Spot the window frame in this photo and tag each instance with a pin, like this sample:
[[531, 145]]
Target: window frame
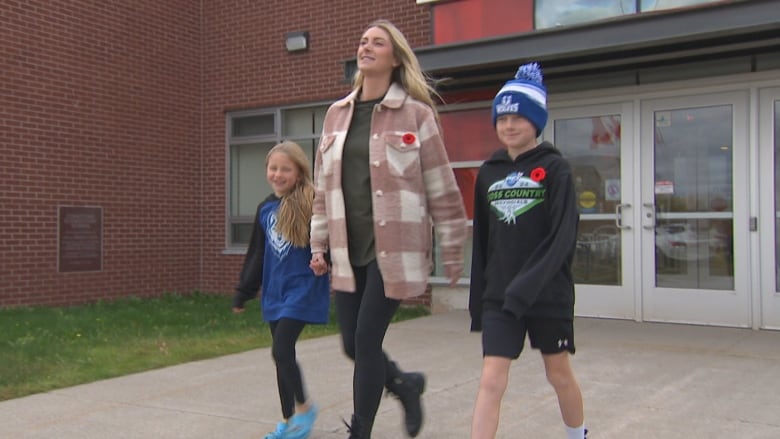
[[231, 141]]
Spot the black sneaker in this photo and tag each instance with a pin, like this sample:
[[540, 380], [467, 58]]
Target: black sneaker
[[408, 388]]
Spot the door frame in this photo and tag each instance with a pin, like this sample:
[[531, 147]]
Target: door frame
[[611, 301], [769, 297], [699, 306]]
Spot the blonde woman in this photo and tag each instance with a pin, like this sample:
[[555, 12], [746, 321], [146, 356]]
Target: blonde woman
[[382, 180]]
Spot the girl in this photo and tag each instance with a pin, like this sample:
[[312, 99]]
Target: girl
[[382, 174], [277, 260]]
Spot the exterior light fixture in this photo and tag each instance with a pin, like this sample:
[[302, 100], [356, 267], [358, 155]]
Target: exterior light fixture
[[296, 41]]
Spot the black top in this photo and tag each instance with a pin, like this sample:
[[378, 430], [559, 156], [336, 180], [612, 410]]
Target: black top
[[356, 184], [525, 231]]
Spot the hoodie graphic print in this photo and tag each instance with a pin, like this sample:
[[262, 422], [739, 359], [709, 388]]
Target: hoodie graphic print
[[514, 195]]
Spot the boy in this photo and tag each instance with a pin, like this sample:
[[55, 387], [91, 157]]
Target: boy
[[525, 227]]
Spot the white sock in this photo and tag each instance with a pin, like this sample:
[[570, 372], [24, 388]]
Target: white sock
[[575, 432]]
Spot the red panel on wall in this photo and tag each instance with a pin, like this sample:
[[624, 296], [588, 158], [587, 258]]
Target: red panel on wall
[[467, 180], [464, 20], [469, 134]]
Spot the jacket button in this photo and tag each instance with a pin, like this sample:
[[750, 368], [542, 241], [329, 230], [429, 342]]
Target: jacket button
[[375, 136], [376, 163], [382, 223], [383, 254], [379, 193]]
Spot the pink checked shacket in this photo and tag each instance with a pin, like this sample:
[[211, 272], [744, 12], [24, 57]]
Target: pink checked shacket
[[412, 186]]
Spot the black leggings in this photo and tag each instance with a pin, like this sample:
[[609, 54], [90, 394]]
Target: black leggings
[[285, 334], [363, 318]]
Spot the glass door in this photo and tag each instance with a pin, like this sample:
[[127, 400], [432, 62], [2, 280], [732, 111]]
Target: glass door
[[597, 142], [769, 152], [694, 220]]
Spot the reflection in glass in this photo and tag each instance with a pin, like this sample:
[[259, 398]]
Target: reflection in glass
[[257, 125], [693, 198], [303, 121], [552, 13], [654, 5], [592, 147], [597, 258], [248, 183]]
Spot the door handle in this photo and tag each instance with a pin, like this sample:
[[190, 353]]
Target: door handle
[[619, 216], [648, 218]]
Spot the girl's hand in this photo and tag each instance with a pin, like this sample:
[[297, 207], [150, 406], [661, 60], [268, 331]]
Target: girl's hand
[[318, 264], [237, 310]]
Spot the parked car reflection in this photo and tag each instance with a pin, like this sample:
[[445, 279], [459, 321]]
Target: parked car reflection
[[681, 241]]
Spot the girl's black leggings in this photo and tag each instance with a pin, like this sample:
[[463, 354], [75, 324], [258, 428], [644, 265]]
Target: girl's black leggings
[[364, 317], [285, 334]]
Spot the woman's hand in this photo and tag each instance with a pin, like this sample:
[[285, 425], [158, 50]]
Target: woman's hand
[[453, 273], [318, 264]]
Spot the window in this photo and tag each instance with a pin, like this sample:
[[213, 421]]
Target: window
[[554, 13], [465, 175], [654, 5], [251, 135]]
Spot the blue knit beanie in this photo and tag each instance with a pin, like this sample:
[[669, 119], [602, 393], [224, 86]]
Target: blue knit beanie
[[525, 96]]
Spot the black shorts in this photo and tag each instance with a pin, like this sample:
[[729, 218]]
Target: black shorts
[[504, 336]]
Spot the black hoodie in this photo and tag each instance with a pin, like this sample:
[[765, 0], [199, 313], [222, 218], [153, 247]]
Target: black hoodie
[[525, 230]]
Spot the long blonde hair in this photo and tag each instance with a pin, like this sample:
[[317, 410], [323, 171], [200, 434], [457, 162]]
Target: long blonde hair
[[294, 215], [408, 74]]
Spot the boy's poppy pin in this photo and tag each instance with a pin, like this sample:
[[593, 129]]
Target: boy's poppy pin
[[538, 174], [408, 138]]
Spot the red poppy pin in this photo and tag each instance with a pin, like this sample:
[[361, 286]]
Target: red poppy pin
[[408, 138], [538, 174]]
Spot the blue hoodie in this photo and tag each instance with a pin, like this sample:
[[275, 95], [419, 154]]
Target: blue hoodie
[[289, 287]]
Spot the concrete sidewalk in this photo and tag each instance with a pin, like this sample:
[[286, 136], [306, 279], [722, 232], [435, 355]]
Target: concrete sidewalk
[[639, 380]]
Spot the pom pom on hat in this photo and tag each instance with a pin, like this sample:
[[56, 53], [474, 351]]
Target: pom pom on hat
[[525, 96]]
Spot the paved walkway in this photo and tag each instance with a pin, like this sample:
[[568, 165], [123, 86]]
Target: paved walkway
[[640, 380]]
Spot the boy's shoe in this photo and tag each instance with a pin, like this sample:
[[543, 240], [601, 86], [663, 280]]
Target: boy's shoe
[[301, 424], [408, 388], [586, 433], [280, 433]]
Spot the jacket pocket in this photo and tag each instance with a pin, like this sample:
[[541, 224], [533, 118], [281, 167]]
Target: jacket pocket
[[403, 154], [326, 150]]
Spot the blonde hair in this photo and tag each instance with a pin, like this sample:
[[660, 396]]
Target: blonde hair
[[294, 215], [408, 74]]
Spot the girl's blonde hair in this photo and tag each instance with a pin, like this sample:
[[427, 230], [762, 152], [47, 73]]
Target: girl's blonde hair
[[294, 215], [408, 74]]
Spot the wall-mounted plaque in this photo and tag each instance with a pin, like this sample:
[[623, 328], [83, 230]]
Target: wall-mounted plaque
[[80, 233]]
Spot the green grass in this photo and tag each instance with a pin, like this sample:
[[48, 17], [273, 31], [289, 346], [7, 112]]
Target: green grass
[[45, 348]]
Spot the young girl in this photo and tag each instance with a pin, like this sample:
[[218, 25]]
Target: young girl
[[382, 175], [278, 261], [525, 230]]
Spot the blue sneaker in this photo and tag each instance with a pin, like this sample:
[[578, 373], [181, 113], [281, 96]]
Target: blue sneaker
[[280, 433], [301, 424]]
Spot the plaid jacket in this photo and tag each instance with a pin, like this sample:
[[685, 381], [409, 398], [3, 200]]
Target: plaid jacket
[[412, 183]]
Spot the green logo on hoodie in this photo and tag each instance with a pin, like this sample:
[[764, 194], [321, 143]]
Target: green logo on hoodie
[[513, 196]]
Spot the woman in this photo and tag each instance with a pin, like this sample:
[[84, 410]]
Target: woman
[[382, 175]]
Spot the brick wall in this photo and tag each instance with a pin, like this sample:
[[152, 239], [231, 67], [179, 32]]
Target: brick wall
[[246, 66], [121, 104], [100, 106]]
